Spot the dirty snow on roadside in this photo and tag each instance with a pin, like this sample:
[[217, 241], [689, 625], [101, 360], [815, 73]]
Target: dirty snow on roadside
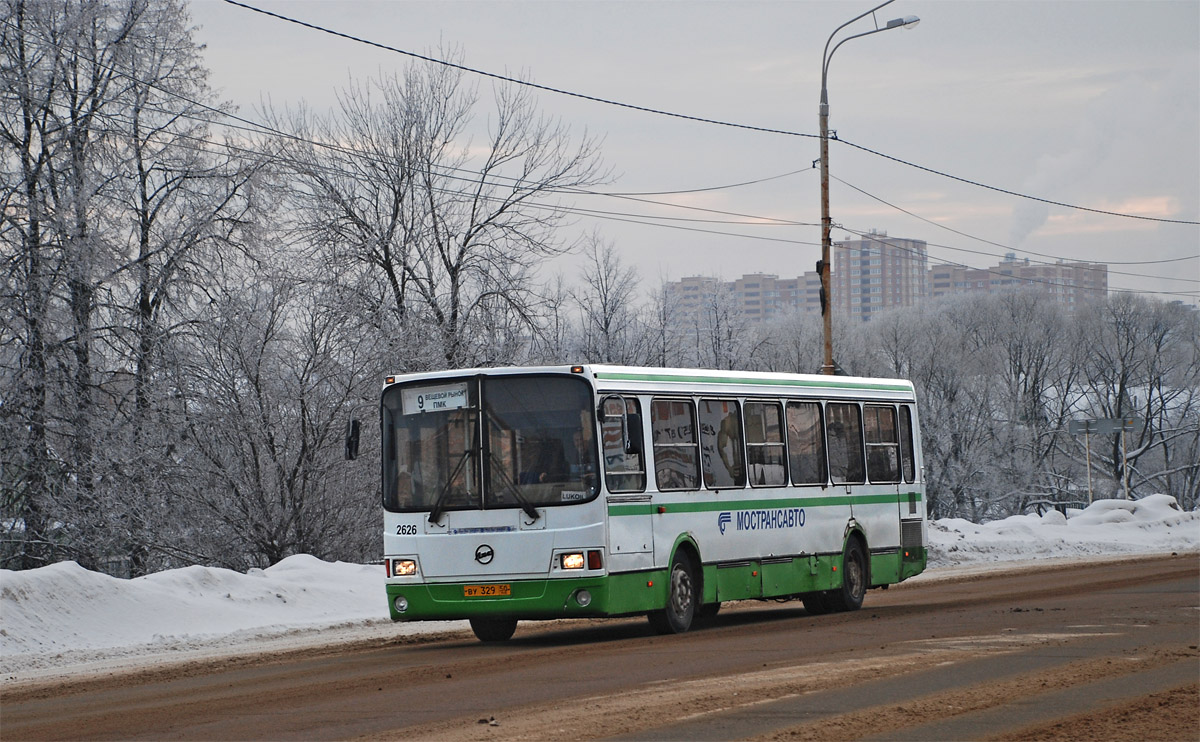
[[62, 616]]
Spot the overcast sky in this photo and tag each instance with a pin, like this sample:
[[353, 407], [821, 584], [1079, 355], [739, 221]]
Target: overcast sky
[[1095, 104]]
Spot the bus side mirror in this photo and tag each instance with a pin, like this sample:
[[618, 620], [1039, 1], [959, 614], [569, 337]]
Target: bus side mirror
[[352, 432]]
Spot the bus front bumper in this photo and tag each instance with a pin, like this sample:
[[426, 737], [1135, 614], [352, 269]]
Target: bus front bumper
[[583, 597]]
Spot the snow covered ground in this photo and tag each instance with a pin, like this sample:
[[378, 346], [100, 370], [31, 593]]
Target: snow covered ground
[[63, 619]]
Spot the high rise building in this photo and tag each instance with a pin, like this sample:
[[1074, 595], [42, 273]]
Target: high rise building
[[877, 272]]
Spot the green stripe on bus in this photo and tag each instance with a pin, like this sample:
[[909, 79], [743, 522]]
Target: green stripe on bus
[[791, 502], [753, 381]]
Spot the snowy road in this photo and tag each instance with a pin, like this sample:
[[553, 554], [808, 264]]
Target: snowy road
[[1062, 651]]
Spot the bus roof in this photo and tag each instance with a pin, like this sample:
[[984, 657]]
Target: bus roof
[[610, 378]]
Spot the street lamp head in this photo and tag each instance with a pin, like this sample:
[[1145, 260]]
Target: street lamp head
[[908, 21]]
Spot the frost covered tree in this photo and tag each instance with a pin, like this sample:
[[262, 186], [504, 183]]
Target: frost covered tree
[[611, 325], [267, 392], [1142, 363], [443, 219], [114, 200]]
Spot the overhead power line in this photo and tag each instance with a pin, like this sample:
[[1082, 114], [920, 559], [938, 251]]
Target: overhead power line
[[999, 244], [1053, 258], [514, 80], [977, 184], [252, 126], [687, 117]]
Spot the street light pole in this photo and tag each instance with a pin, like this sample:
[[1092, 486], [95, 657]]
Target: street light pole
[[824, 267]]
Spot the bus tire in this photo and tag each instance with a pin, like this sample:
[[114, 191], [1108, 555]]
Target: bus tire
[[493, 629], [854, 578], [682, 598]]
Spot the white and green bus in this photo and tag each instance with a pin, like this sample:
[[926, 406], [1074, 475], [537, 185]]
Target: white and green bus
[[587, 491]]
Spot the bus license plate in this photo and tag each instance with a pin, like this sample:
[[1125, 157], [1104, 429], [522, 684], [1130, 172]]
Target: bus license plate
[[486, 591]]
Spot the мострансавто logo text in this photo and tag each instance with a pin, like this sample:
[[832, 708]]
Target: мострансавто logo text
[[761, 520]]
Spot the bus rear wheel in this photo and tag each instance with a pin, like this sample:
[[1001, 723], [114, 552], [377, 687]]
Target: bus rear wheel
[[682, 598], [854, 579], [493, 629]]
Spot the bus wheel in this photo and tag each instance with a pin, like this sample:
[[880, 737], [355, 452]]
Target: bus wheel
[[494, 629], [854, 579], [682, 598]]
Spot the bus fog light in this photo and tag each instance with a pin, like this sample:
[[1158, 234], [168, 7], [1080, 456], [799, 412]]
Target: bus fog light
[[583, 598], [401, 604], [572, 561]]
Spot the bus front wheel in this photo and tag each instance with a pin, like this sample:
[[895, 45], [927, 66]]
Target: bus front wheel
[[682, 598], [493, 629]]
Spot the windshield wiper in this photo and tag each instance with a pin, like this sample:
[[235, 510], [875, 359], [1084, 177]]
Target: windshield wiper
[[511, 488], [435, 513]]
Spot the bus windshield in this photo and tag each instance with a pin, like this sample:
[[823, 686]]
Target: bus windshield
[[537, 445]]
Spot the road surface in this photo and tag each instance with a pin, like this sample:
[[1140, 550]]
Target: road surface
[[1097, 652]]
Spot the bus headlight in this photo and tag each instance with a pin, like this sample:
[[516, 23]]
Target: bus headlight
[[401, 604], [403, 567], [572, 561]]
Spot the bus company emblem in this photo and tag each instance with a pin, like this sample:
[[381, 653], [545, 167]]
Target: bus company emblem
[[723, 520], [484, 554]]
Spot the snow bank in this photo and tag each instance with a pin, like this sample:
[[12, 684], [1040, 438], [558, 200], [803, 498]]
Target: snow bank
[[65, 607], [1154, 524], [64, 616]]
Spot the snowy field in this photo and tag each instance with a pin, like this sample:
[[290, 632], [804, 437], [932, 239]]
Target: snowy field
[[63, 619]]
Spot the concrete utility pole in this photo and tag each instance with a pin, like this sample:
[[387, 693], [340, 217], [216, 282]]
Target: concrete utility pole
[[827, 365]]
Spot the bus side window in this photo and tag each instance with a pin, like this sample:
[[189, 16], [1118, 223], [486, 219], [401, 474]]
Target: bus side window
[[676, 449], [844, 427], [624, 471], [806, 443], [883, 443], [908, 459], [764, 444], [721, 450]]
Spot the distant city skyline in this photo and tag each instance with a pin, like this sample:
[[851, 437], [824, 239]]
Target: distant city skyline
[[1095, 104], [878, 272]]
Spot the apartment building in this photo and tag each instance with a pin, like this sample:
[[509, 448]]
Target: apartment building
[[877, 272], [1068, 283]]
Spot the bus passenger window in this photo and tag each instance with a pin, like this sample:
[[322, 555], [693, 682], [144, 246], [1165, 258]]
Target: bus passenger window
[[806, 443], [845, 443], [883, 445], [764, 444], [624, 472], [908, 459], [721, 444], [676, 453]]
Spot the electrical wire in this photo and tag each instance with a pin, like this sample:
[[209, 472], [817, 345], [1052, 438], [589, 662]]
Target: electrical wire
[[1055, 258], [659, 112], [1007, 192], [1001, 245], [260, 128], [514, 80]]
